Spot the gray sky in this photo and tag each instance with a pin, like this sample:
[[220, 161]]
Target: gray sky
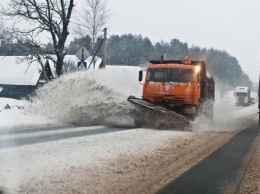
[[231, 25]]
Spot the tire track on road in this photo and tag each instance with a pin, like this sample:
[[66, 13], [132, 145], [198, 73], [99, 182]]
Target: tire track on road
[[21, 141]]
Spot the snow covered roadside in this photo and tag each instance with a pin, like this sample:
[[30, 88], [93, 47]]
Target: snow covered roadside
[[16, 113], [251, 183]]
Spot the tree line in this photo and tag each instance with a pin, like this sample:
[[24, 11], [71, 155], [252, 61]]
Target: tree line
[[135, 50]]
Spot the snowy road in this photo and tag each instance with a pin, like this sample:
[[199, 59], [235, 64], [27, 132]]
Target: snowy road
[[26, 166], [99, 159], [98, 163]]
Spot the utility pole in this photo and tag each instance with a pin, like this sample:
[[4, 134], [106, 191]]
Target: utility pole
[[104, 60]]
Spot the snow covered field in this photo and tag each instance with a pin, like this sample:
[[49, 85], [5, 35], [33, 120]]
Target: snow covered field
[[97, 163]]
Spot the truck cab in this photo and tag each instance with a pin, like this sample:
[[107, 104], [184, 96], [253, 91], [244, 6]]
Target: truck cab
[[242, 96], [182, 86]]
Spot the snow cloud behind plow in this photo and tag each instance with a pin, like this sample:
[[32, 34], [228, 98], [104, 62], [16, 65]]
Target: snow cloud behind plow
[[79, 99]]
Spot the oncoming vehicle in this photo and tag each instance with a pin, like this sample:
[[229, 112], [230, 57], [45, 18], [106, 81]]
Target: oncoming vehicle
[[243, 96]]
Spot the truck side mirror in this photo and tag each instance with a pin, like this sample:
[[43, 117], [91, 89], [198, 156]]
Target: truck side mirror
[[140, 75]]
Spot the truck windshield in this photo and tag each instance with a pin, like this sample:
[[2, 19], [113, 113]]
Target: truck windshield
[[171, 75]]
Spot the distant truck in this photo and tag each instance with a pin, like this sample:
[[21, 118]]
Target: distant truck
[[243, 96]]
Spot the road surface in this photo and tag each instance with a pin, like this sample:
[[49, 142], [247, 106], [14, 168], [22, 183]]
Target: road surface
[[98, 159]]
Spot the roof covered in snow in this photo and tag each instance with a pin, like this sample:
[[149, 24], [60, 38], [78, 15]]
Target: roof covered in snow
[[242, 89], [13, 71]]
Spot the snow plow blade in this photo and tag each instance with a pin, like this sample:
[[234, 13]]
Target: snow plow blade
[[154, 116]]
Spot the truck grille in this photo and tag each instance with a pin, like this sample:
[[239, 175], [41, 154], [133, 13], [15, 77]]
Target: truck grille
[[174, 100]]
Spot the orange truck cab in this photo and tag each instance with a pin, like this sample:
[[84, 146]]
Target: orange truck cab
[[182, 86]]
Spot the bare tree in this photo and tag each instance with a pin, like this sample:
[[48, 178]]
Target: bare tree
[[95, 16], [45, 17], [3, 30]]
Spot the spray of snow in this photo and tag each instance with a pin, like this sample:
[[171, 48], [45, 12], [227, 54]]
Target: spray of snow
[[80, 98], [227, 116]]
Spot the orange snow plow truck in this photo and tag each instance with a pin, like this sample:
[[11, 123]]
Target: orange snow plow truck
[[183, 87]]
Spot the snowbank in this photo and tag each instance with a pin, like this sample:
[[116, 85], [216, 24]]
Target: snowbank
[[88, 97], [19, 113]]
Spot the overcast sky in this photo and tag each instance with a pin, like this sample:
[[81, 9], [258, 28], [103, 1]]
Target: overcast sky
[[231, 25]]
